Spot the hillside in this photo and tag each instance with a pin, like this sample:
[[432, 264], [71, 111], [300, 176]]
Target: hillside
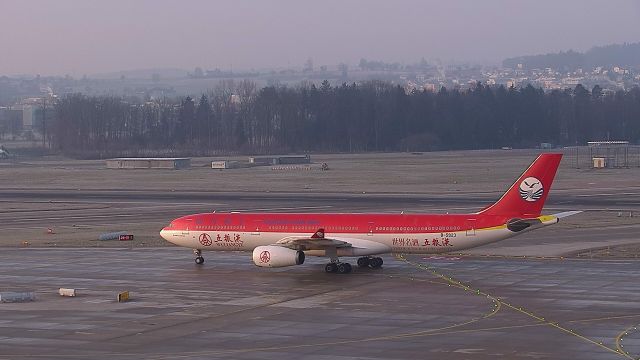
[[623, 55]]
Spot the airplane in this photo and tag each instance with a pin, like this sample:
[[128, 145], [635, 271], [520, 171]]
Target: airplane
[[286, 239]]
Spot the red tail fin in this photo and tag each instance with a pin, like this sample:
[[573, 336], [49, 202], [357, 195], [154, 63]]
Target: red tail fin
[[526, 197], [318, 234]]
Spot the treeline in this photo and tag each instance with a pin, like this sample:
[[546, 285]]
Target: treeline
[[372, 116], [625, 55]]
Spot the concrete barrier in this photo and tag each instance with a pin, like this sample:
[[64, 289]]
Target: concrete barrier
[[8, 297], [67, 292], [296, 168], [123, 296], [111, 235]]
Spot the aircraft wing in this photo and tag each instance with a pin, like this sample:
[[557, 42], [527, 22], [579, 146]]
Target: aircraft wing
[[316, 242], [318, 245]]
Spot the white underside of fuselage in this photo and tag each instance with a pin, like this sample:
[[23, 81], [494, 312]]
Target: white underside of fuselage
[[362, 244]]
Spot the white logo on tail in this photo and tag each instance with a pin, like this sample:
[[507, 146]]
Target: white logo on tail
[[531, 189]]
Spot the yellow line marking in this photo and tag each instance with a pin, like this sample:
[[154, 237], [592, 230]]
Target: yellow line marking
[[520, 310], [430, 332], [619, 341]]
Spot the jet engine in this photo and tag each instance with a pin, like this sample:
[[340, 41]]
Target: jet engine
[[276, 256]]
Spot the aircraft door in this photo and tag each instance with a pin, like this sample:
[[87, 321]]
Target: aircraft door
[[185, 231], [470, 225], [255, 227], [370, 229]]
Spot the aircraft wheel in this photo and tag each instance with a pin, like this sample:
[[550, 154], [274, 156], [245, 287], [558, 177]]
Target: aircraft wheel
[[199, 260], [331, 268], [375, 262], [344, 268], [363, 262]]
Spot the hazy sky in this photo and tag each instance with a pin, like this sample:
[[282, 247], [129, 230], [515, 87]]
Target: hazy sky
[[79, 37]]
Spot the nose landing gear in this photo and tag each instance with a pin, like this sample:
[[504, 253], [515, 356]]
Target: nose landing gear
[[199, 259]]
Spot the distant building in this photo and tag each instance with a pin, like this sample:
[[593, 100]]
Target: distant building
[[610, 154], [572, 81], [280, 160], [235, 99], [430, 87], [11, 121], [410, 87], [28, 114], [149, 163]]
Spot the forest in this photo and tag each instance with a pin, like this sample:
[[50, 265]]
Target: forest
[[239, 118]]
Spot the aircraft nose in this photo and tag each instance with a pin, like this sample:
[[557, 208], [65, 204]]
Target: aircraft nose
[[164, 233]]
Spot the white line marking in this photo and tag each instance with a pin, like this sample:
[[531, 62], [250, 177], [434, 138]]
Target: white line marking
[[607, 194], [285, 208]]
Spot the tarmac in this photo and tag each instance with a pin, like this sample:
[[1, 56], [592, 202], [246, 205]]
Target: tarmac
[[527, 297], [415, 307]]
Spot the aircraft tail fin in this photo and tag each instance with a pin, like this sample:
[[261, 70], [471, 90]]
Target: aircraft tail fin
[[526, 197]]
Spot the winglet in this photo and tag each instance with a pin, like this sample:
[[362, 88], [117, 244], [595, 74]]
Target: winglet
[[319, 234]]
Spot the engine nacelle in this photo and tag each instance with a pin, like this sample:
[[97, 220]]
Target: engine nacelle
[[277, 256]]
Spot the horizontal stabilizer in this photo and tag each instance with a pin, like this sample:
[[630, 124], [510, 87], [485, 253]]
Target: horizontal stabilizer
[[517, 225]]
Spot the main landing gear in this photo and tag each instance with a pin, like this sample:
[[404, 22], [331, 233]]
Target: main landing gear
[[199, 258], [372, 262], [338, 267], [335, 266]]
